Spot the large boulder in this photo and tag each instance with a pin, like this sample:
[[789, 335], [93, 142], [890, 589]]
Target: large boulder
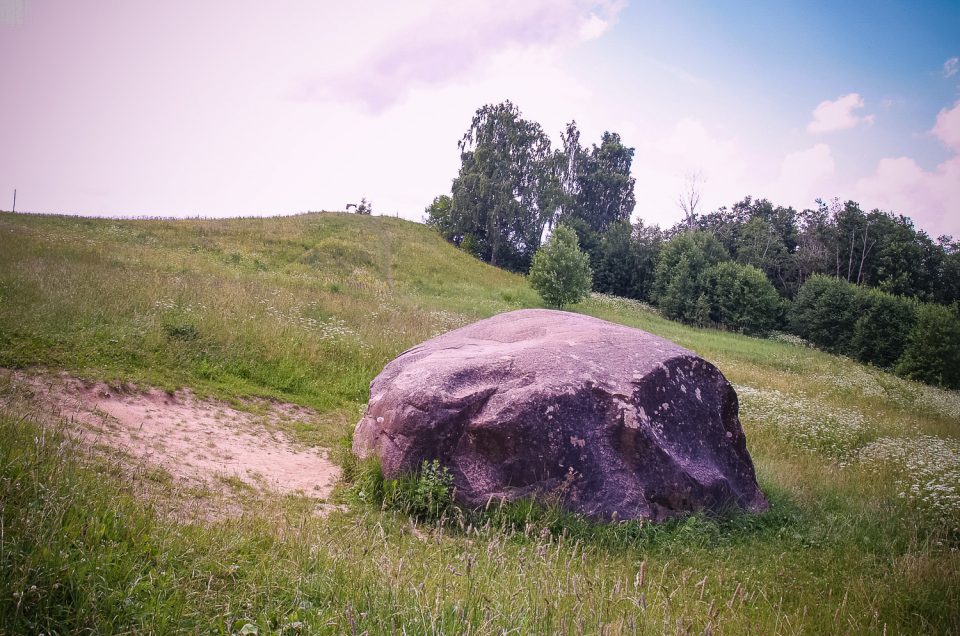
[[612, 422]]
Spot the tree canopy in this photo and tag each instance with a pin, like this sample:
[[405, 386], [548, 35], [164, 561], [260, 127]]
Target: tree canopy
[[505, 193], [561, 271], [512, 186]]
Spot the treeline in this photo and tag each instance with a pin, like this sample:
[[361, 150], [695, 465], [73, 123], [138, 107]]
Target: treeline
[[697, 280], [917, 340], [863, 284]]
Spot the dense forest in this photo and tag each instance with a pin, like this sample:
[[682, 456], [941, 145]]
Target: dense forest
[[867, 284]]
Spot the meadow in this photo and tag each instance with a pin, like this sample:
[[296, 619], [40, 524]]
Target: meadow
[[862, 468]]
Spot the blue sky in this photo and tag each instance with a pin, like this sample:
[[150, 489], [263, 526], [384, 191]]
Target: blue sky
[[235, 108], [756, 72]]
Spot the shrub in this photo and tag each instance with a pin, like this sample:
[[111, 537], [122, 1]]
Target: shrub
[[881, 329], [181, 331], [824, 312], [471, 246], [932, 352], [433, 492], [427, 494], [615, 268], [681, 275], [626, 259], [867, 324], [560, 271], [365, 208], [439, 215], [743, 298]]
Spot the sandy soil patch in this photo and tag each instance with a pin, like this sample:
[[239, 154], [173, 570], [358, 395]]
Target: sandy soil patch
[[203, 443]]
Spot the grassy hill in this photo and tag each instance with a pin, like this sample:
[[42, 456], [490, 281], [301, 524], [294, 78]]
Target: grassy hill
[[862, 468]]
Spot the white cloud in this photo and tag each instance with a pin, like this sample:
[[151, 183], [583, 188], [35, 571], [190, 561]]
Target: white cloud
[[240, 145], [593, 27], [661, 167], [839, 114], [804, 176], [930, 197], [947, 128], [951, 66], [730, 171], [450, 41]]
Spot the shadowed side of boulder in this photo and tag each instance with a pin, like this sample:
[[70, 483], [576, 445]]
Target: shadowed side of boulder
[[613, 422]]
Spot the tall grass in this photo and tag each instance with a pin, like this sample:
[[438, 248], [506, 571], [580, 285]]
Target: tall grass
[[308, 309]]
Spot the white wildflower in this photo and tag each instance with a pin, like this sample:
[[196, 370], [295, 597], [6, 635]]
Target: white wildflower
[[927, 469], [807, 423]]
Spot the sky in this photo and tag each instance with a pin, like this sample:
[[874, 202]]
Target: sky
[[217, 108]]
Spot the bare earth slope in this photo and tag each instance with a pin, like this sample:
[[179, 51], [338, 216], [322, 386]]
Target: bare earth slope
[[199, 442]]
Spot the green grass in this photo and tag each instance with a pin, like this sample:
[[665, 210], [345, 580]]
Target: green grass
[[861, 467]]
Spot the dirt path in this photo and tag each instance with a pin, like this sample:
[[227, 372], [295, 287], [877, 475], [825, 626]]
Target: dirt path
[[203, 443]]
